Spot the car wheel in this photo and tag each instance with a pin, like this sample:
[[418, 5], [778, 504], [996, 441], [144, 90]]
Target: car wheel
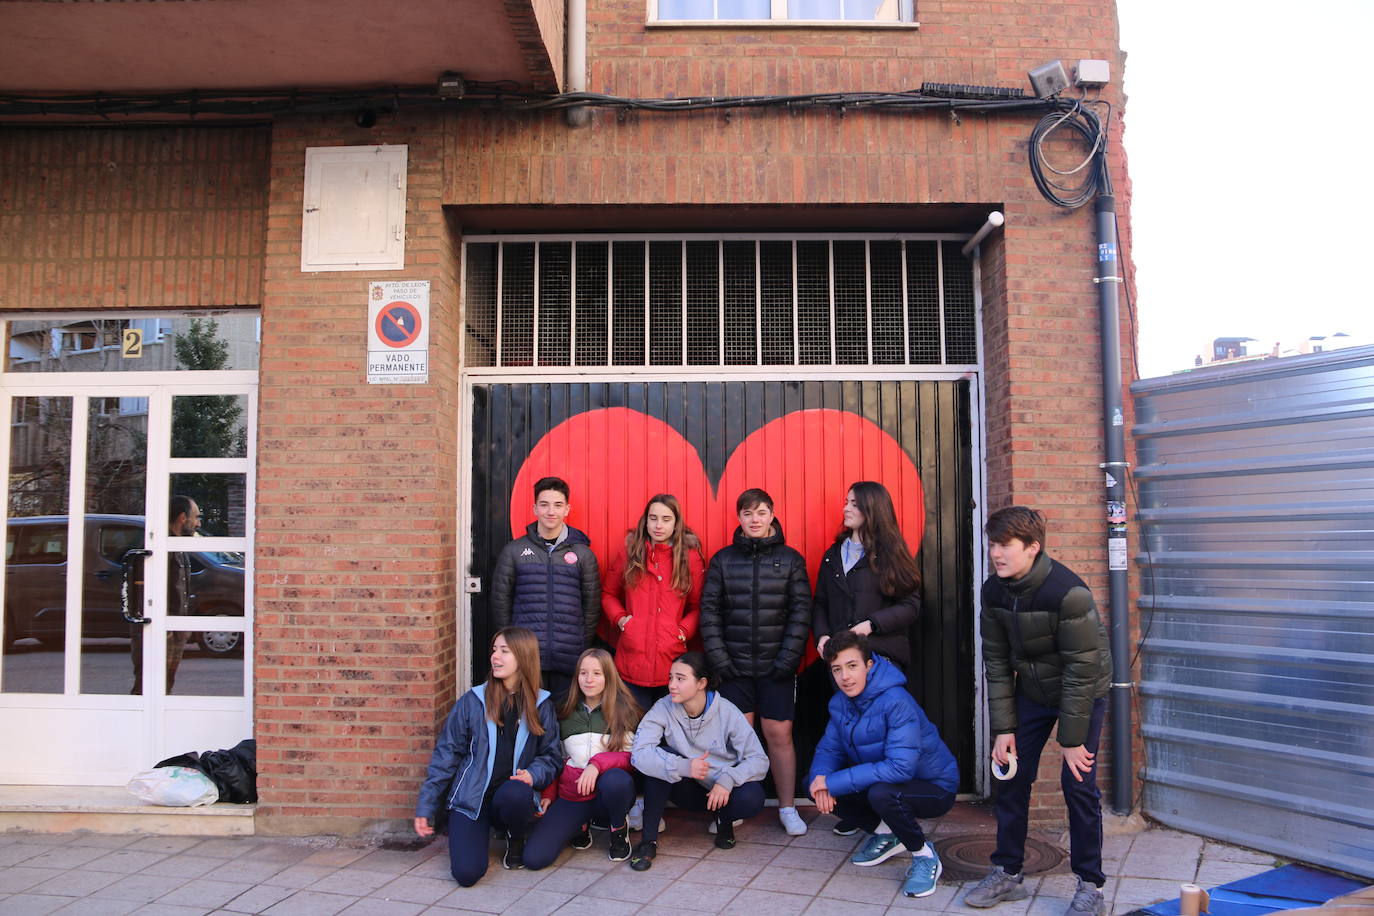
[[223, 643]]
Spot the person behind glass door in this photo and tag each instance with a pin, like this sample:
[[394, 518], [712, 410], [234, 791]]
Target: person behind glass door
[[496, 752], [652, 594], [597, 725], [183, 522]]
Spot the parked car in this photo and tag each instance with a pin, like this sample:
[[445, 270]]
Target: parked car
[[36, 582]]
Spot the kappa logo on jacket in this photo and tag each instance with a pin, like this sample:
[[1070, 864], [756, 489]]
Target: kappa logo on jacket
[[527, 552]]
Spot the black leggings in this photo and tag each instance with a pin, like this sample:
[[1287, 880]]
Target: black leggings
[[511, 808], [745, 801], [615, 793]]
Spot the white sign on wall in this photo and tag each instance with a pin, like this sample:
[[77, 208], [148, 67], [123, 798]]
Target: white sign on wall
[[398, 332]]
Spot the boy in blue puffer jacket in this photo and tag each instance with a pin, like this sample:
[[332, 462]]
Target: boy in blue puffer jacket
[[881, 763]]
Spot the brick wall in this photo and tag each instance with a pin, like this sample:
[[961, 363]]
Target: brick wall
[[158, 218], [357, 517], [356, 550], [1044, 420]]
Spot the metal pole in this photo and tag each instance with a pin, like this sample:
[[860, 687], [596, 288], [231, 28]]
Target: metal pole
[[1109, 278]]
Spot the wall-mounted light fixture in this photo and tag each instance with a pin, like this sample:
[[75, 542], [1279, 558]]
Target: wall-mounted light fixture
[[1049, 79]]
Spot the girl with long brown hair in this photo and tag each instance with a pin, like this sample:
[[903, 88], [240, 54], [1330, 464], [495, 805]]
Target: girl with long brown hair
[[868, 583], [652, 595], [497, 750], [868, 580], [597, 725]]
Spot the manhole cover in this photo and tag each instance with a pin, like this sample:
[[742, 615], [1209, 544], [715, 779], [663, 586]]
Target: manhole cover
[[965, 858]]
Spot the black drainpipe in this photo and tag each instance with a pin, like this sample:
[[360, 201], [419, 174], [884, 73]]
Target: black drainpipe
[[1108, 280]]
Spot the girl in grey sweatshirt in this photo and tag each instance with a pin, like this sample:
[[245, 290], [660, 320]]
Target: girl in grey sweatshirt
[[696, 749]]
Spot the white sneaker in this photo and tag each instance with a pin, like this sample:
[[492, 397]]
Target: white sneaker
[[635, 818], [791, 821], [711, 827]]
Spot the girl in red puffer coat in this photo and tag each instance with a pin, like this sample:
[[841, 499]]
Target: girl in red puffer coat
[[651, 594]]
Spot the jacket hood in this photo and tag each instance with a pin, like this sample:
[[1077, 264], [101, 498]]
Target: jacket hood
[[767, 542], [883, 676], [570, 535], [540, 695], [1032, 580]]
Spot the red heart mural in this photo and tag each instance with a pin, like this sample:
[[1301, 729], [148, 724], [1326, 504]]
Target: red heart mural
[[615, 458]]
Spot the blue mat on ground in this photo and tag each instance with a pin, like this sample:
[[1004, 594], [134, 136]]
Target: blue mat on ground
[[1283, 888]]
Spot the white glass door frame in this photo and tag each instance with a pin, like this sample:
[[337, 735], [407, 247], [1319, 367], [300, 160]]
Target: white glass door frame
[[90, 719]]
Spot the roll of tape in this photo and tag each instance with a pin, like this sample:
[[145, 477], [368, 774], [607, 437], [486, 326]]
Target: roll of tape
[[1192, 900], [1009, 772]]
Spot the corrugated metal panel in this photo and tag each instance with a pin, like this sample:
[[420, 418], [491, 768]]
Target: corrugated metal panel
[[1257, 580]]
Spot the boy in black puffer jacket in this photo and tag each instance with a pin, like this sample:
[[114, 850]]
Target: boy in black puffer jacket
[[755, 614], [1048, 663]]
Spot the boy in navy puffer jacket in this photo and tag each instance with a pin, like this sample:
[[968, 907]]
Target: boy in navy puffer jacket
[[548, 582], [881, 763]]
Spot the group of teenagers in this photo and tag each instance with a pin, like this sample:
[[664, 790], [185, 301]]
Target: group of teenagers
[[562, 738]]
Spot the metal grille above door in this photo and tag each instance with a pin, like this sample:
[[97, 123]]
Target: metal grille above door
[[719, 302]]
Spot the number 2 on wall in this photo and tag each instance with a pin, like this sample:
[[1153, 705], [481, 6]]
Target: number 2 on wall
[[133, 344]]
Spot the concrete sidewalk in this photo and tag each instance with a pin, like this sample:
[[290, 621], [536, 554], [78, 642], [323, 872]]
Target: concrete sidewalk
[[768, 874]]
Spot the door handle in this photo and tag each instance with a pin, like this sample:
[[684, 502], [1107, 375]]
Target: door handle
[[126, 562]]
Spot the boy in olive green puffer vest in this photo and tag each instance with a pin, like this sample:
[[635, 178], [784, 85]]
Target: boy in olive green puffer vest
[[1048, 664]]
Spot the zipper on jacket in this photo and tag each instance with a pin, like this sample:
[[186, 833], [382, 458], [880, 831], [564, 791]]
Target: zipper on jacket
[[754, 602], [458, 781]]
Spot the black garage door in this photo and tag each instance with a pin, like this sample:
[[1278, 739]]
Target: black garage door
[[619, 442]]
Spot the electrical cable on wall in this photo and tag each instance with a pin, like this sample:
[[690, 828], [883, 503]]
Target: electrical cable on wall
[[1079, 119]]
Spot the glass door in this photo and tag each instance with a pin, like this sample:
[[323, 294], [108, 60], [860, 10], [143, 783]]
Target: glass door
[[127, 627]]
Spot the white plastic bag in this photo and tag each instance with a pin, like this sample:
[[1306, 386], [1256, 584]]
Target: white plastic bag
[[177, 787]]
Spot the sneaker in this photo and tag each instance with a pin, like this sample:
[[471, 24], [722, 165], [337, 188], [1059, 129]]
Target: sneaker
[[845, 828], [584, 839], [725, 834], [515, 852], [792, 822], [618, 843], [878, 849], [922, 874], [711, 827], [996, 887], [1087, 901], [635, 819], [643, 859]]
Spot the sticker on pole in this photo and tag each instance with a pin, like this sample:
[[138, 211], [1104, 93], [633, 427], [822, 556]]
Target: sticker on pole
[[398, 332], [1116, 553]]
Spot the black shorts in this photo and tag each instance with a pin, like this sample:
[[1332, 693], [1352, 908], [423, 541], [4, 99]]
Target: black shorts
[[771, 698]]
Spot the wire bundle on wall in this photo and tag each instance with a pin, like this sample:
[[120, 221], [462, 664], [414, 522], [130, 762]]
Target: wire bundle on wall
[[1054, 183]]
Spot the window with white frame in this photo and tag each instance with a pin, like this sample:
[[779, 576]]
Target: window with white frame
[[784, 11], [659, 301]]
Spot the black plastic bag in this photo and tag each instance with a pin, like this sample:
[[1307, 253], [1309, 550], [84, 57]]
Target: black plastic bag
[[234, 771]]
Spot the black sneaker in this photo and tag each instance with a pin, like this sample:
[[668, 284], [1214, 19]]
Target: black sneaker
[[725, 833], [584, 839], [620, 843], [643, 859], [845, 828], [515, 852]]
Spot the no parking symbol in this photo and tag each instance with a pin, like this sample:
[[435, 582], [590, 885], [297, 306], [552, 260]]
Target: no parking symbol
[[398, 332]]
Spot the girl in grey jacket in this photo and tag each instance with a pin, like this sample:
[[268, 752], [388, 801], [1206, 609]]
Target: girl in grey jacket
[[696, 748]]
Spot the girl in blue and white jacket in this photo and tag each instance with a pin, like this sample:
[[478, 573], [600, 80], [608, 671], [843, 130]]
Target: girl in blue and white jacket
[[497, 750]]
